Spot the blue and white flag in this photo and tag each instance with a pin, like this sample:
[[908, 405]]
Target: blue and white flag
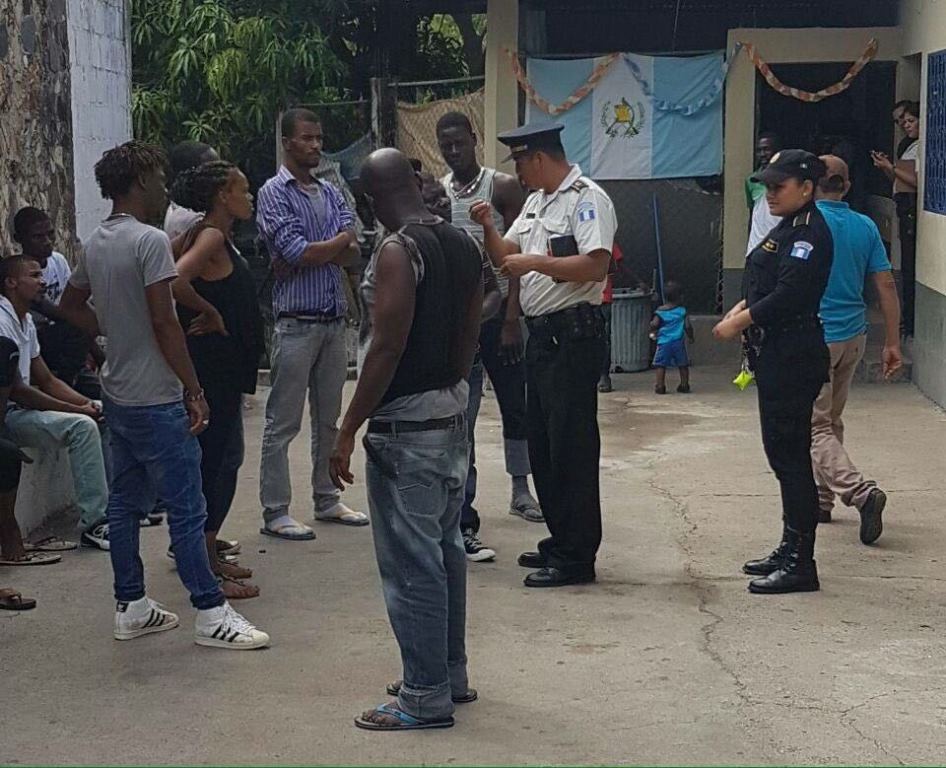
[[650, 117]]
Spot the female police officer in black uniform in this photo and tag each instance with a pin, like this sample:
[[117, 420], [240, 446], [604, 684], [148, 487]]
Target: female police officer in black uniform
[[784, 280]]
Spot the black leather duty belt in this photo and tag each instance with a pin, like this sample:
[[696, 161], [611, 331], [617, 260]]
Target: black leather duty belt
[[380, 427]]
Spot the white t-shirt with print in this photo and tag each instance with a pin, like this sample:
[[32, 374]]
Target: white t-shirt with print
[[22, 333]]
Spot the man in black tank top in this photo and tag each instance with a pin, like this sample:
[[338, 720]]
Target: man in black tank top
[[422, 295]]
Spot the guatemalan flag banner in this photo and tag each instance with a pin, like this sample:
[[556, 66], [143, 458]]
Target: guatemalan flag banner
[[649, 117]]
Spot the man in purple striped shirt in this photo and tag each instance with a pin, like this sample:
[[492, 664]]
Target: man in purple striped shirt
[[307, 228]]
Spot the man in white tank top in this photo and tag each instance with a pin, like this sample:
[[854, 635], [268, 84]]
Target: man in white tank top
[[501, 345]]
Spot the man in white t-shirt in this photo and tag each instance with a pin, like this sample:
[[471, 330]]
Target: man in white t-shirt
[[65, 347], [50, 411]]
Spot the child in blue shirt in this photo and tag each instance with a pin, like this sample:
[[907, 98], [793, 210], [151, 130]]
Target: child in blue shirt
[[671, 324]]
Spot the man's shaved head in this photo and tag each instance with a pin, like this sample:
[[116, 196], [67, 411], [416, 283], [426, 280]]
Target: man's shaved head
[[392, 183], [837, 177], [386, 170], [835, 167]]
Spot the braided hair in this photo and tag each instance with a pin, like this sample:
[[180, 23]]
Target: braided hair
[[197, 187], [120, 167]]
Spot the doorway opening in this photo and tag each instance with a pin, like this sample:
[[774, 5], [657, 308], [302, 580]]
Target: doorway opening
[[849, 124]]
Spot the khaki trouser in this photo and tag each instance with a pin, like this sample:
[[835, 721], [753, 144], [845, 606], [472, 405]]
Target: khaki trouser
[[835, 473]]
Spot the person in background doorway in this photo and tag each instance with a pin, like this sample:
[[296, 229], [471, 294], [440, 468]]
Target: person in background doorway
[[184, 156], [307, 228], [217, 305], [501, 341], [762, 220], [671, 324], [899, 109], [903, 174], [859, 255]]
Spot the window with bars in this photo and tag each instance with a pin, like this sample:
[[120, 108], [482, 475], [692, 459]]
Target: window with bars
[[934, 167]]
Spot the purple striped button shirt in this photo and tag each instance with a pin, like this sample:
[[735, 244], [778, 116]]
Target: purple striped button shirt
[[288, 222]]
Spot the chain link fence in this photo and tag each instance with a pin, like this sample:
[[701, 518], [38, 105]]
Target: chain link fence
[[421, 104], [691, 212]]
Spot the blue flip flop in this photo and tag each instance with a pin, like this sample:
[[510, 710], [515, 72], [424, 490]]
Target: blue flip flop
[[406, 722]]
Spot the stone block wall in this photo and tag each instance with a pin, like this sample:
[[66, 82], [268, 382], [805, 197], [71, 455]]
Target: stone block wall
[[36, 165]]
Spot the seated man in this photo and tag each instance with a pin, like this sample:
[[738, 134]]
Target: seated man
[[65, 347], [12, 551], [50, 410]]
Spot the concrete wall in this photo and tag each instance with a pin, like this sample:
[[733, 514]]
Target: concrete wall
[[45, 488], [924, 31], [35, 116], [100, 61], [776, 46], [502, 91]]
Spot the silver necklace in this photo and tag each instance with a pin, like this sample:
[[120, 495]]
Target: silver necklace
[[466, 190]]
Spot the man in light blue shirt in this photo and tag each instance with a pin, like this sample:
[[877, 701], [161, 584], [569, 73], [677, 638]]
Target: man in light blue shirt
[[858, 253]]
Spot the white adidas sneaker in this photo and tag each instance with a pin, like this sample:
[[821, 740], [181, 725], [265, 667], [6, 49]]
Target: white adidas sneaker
[[142, 617], [223, 627]]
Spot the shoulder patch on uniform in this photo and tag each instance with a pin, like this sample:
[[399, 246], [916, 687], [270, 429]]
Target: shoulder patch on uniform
[[579, 186], [801, 250], [770, 246], [587, 211]]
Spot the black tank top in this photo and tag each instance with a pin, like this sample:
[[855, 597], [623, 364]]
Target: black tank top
[[229, 360]]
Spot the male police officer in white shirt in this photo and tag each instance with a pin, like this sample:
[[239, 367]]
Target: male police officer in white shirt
[[560, 246]]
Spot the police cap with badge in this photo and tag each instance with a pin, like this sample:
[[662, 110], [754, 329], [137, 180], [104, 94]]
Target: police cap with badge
[[791, 164], [531, 138]]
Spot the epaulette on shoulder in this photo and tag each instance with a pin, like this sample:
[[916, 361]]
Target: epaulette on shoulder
[[579, 185], [802, 219]]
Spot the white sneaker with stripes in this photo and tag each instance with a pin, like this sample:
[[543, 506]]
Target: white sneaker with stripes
[[142, 617], [223, 627]]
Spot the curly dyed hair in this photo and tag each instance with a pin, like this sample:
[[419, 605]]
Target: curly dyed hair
[[120, 167], [197, 187]]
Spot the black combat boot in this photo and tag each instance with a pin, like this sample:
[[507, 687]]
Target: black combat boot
[[773, 561], [798, 572]]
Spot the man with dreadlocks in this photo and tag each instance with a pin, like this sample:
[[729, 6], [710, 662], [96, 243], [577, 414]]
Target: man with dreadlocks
[[153, 402]]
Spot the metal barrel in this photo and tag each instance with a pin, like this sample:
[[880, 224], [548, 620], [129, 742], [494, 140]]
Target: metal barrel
[[630, 323]]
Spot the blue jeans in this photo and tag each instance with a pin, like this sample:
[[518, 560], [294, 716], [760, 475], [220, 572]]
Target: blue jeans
[[155, 455], [415, 489]]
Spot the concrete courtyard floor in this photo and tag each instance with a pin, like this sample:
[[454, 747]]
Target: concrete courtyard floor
[[667, 659]]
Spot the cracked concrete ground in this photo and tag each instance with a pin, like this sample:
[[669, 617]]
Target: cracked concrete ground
[[667, 660]]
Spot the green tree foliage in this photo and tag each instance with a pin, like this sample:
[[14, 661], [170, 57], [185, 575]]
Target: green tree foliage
[[219, 72]]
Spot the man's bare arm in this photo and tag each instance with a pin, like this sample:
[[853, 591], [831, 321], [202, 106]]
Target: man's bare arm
[[392, 316], [74, 308]]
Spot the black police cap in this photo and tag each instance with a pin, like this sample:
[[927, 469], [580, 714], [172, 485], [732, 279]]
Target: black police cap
[[791, 164], [531, 137]]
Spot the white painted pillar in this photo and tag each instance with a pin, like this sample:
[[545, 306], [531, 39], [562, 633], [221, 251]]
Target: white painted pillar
[[502, 91]]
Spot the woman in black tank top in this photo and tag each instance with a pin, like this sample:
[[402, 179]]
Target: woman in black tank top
[[218, 307]]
